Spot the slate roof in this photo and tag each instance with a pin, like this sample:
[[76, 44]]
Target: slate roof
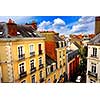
[[49, 60], [57, 38], [22, 30], [95, 40]]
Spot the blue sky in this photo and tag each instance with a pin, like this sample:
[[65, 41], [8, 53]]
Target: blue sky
[[61, 24]]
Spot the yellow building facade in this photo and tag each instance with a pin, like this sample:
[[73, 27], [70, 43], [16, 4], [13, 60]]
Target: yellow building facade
[[23, 60], [55, 49]]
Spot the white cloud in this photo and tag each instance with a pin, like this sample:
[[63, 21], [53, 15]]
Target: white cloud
[[42, 26], [58, 21], [44, 23], [84, 25]]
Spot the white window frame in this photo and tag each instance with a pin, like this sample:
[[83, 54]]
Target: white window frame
[[41, 74], [34, 78], [94, 51], [31, 48], [34, 62], [24, 66], [23, 49], [40, 60], [93, 67]]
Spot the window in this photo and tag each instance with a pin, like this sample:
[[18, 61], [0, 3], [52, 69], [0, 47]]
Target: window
[[24, 81], [48, 71], [21, 66], [60, 54], [54, 67], [65, 43], [40, 74], [63, 61], [92, 81], [33, 79], [40, 61], [57, 44], [63, 52], [32, 64], [93, 68], [61, 44], [60, 65], [51, 68], [39, 46], [95, 52], [54, 77], [20, 51], [40, 51], [31, 48]]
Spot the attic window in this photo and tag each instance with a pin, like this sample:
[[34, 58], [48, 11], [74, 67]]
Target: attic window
[[35, 33], [29, 33], [18, 32], [0, 32]]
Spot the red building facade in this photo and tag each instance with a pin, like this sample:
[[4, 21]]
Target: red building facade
[[73, 63]]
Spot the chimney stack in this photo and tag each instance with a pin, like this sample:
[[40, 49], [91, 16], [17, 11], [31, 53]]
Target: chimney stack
[[97, 25], [12, 28], [33, 25]]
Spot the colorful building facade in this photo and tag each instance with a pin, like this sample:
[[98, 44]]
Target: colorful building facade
[[56, 50], [72, 63], [22, 56]]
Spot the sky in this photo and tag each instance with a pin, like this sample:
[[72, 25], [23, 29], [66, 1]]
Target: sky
[[62, 24]]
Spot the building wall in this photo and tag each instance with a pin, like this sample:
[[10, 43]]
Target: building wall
[[97, 25], [72, 66], [15, 61], [54, 52], [51, 76], [50, 49], [73, 47], [95, 60]]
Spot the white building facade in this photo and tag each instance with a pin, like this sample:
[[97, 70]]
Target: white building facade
[[93, 61]]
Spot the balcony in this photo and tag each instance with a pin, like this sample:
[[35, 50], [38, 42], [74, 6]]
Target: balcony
[[32, 70], [21, 57], [23, 74], [40, 52], [41, 66], [94, 56], [41, 80], [92, 74], [32, 54]]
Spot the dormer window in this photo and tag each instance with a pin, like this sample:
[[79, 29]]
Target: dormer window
[[57, 44], [61, 44]]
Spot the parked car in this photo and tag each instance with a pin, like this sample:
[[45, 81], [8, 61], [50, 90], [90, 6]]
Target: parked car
[[78, 79]]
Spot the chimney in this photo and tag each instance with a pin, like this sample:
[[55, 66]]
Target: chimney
[[12, 28], [34, 25], [97, 25]]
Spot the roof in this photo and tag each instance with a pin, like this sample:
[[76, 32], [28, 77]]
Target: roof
[[22, 31], [91, 35], [49, 60], [95, 40], [27, 31], [57, 38]]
